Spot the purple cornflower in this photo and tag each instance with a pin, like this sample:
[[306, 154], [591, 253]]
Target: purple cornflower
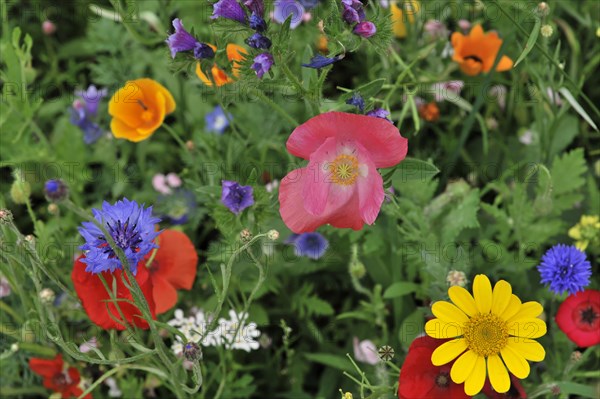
[[257, 23], [258, 41], [229, 9], [379, 113], [357, 101], [285, 8], [262, 64], [182, 40], [55, 190], [257, 7], [311, 245], [320, 61], [365, 29], [217, 121], [353, 12], [132, 228], [236, 197], [565, 269]]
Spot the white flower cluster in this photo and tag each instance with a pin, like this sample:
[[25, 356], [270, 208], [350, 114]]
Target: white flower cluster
[[232, 333]]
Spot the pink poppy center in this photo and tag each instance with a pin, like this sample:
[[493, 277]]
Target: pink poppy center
[[344, 169]]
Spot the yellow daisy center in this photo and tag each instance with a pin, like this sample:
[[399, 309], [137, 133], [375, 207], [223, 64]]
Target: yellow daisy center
[[344, 169], [486, 334]]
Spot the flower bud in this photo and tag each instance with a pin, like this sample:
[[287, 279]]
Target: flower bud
[[20, 190], [47, 296], [456, 277], [365, 29], [543, 9], [53, 209], [357, 268], [272, 235], [5, 216], [48, 27], [192, 351], [55, 190], [245, 235]]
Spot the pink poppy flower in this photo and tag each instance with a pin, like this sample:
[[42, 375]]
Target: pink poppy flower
[[340, 185]]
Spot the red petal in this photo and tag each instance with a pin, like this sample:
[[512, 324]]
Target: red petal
[[46, 367], [176, 259], [568, 318], [165, 295]]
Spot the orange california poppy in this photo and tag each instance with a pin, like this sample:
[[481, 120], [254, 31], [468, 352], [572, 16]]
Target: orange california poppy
[[429, 111], [234, 53], [172, 267], [477, 52], [139, 108]]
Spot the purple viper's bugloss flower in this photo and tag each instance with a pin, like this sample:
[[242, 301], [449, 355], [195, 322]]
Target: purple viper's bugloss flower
[[353, 11], [262, 63], [229, 9], [379, 113], [235, 197], [131, 227], [357, 101], [320, 61], [258, 41], [565, 269], [365, 29], [257, 23], [181, 40], [257, 7]]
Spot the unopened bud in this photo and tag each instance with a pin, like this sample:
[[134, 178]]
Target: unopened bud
[[245, 235], [53, 209], [192, 351], [47, 296], [456, 278], [576, 356], [56, 190], [14, 347], [543, 9], [48, 27], [273, 235], [189, 145], [20, 190], [357, 268]]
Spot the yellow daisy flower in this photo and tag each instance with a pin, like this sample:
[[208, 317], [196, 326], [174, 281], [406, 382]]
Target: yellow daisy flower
[[493, 331], [586, 231], [411, 7]]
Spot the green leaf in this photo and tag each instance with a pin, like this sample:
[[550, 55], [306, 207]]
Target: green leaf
[[567, 172], [563, 132], [531, 41], [569, 97], [411, 169], [367, 90], [568, 388], [335, 361], [316, 305], [411, 327], [399, 289]]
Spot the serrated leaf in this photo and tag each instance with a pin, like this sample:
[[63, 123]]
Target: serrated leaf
[[461, 216], [400, 289], [567, 172]]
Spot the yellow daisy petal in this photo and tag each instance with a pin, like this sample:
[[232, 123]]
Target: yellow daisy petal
[[474, 383], [529, 327], [482, 291], [512, 309], [515, 362], [436, 328], [575, 232], [448, 351], [461, 369], [463, 299], [528, 309], [501, 297], [448, 312], [528, 348], [498, 374]]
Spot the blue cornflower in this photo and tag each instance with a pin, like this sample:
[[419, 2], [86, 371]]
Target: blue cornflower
[[217, 121], [565, 269], [258, 41], [357, 101], [320, 61], [257, 23], [311, 245], [236, 197], [262, 63], [285, 8], [130, 225], [257, 7], [229, 9], [379, 113], [55, 190], [182, 40]]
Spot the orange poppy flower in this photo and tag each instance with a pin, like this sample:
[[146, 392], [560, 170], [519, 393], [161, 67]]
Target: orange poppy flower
[[173, 267], [430, 112], [477, 52], [234, 53], [139, 108]]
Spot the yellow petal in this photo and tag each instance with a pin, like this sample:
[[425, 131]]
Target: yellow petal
[[501, 297], [448, 312], [436, 328], [529, 327], [513, 307], [461, 369], [528, 348], [448, 351], [575, 232], [527, 310], [482, 291], [463, 299], [515, 362], [498, 374], [474, 383]]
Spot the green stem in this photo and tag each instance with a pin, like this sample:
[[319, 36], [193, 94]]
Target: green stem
[[175, 136], [275, 106]]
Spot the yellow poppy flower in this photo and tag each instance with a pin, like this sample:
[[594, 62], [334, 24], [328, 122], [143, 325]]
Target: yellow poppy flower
[[234, 53], [488, 328], [586, 231], [411, 7], [476, 52], [139, 108]]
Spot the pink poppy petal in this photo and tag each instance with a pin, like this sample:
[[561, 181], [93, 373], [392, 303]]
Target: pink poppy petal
[[370, 188], [317, 183]]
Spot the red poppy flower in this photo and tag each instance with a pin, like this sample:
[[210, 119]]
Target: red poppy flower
[[579, 317], [515, 391], [420, 379], [173, 267], [56, 377], [96, 301]]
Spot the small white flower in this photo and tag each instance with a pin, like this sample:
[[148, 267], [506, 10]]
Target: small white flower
[[271, 186], [47, 296], [114, 391], [365, 351]]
